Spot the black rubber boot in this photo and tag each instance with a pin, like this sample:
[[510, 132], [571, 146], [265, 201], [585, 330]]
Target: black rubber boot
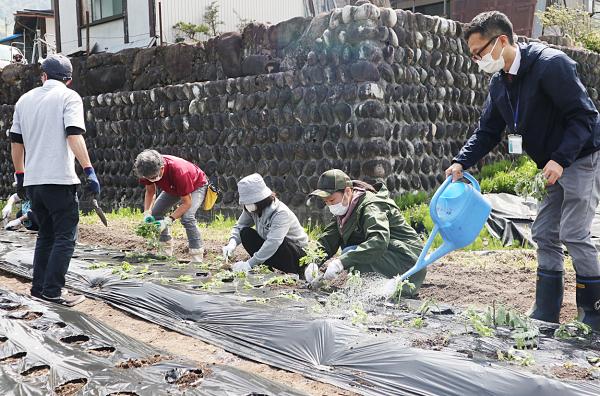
[[588, 301], [549, 290]]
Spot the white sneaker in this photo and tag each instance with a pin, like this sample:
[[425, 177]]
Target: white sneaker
[[166, 248], [197, 255]]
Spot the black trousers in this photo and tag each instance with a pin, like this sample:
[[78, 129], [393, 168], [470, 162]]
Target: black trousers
[[285, 259], [57, 210]]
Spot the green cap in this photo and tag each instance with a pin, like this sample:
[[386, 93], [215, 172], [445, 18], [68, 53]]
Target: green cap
[[331, 181]]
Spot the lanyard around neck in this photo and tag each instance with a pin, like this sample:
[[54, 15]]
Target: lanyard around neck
[[514, 109]]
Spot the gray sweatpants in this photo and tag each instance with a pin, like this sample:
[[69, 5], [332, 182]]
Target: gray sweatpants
[[565, 217], [165, 201]]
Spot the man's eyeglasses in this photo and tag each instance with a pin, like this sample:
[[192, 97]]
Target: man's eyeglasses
[[477, 56]]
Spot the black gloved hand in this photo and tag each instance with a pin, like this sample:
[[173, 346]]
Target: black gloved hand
[[20, 177]]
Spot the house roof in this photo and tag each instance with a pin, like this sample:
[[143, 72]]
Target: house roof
[[34, 13]]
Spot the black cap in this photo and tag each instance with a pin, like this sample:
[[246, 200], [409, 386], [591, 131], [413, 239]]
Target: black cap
[[58, 67]]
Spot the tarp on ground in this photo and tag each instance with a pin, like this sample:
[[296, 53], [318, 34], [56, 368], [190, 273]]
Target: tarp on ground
[[512, 217], [44, 347], [287, 337]]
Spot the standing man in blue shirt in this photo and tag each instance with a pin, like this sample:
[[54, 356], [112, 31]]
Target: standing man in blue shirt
[[48, 124], [535, 91]]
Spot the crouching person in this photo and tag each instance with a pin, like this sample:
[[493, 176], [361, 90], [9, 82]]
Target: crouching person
[[368, 227], [180, 181], [25, 216], [278, 240]]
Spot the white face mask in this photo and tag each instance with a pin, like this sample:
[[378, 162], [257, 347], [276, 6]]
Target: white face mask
[[490, 65], [250, 207], [339, 209]]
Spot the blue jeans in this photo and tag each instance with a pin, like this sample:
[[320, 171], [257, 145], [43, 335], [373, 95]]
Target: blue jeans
[[57, 210], [165, 201]]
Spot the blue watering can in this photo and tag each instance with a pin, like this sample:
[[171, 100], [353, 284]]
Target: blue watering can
[[458, 211]]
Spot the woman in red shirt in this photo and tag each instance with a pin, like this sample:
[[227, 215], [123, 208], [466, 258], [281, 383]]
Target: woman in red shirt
[[179, 181]]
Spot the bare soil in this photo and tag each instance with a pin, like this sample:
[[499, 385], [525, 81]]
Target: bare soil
[[13, 358], [102, 351], [143, 362], [71, 387], [572, 372], [27, 315], [481, 278], [36, 371], [190, 379], [435, 343]]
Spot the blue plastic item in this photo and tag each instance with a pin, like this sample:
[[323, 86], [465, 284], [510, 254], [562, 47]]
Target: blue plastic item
[[459, 212]]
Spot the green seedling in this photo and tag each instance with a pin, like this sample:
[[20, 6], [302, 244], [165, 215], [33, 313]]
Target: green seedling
[[478, 323], [426, 306], [335, 300], [291, 296], [404, 287], [359, 314], [417, 323], [532, 187], [98, 266], [240, 275], [202, 266], [211, 284], [354, 280], [150, 232], [284, 280], [314, 254], [525, 360], [184, 278], [261, 269], [593, 360], [125, 267], [572, 329], [144, 270]]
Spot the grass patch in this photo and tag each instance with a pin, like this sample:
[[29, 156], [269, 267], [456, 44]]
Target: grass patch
[[409, 200], [506, 176]]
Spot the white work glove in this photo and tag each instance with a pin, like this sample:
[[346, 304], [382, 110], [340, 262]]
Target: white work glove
[[229, 249], [164, 223], [6, 211], [311, 272], [13, 225], [390, 287], [333, 269], [241, 266]]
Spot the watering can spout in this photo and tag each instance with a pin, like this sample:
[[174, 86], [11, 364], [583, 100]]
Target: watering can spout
[[426, 259]]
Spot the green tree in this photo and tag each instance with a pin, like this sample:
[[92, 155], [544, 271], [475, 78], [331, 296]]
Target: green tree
[[574, 23], [190, 29], [211, 18]]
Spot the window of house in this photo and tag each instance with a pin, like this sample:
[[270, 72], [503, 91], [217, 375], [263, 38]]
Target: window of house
[[102, 9], [427, 7]]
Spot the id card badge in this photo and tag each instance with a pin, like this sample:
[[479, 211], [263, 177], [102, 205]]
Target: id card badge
[[515, 144]]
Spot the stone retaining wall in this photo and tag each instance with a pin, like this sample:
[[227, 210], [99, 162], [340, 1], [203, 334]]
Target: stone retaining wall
[[380, 93]]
